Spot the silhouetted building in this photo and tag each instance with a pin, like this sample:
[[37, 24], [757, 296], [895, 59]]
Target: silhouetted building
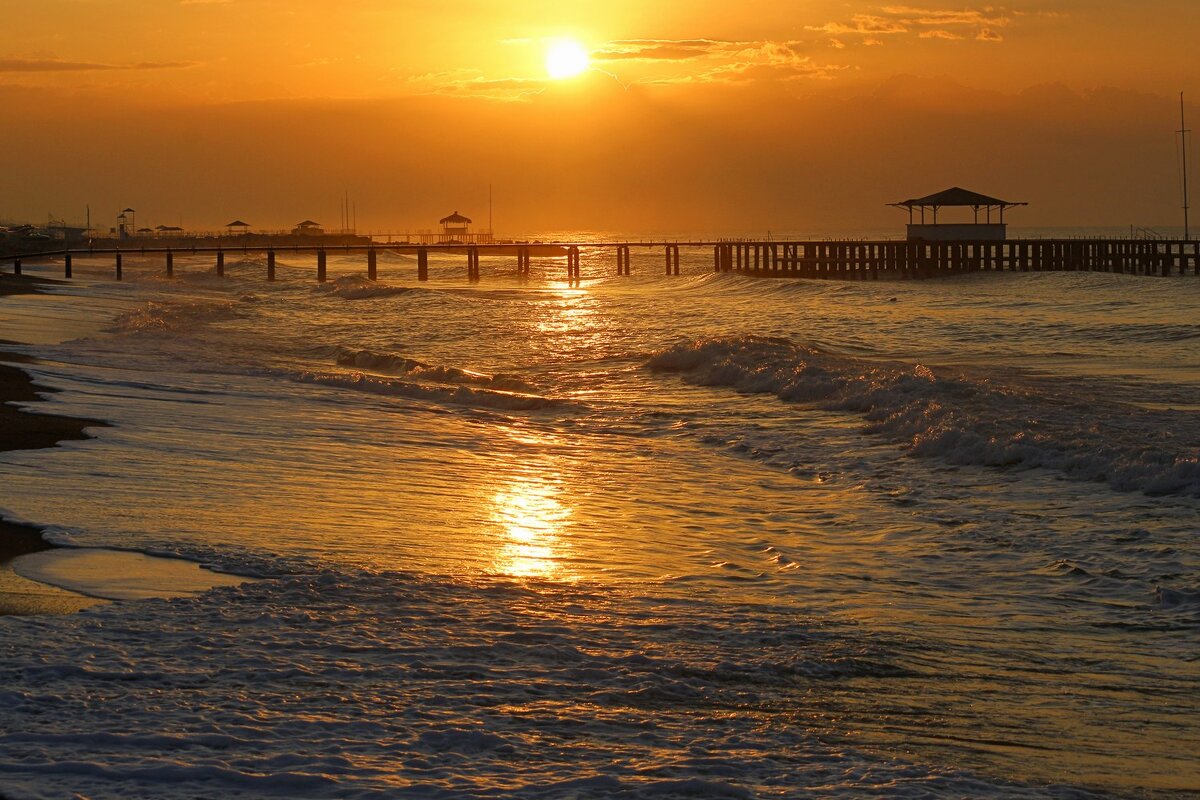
[[237, 227], [126, 223], [308, 228], [931, 229]]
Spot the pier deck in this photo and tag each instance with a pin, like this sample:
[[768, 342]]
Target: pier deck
[[840, 260]]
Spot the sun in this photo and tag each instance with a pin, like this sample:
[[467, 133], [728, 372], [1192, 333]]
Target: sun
[[566, 59]]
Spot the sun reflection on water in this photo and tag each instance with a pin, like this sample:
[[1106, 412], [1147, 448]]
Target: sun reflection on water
[[532, 522]]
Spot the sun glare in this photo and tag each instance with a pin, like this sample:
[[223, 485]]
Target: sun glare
[[566, 59]]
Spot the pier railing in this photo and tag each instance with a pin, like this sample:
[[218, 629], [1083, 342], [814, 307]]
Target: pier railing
[[841, 260]]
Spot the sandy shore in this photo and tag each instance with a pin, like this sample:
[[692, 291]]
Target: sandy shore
[[21, 430]]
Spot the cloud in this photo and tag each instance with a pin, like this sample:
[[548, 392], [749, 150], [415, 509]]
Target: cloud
[[55, 65], [926, 23], [865, 24], [940, 34], [927, 16], [722, 60], [661, 49]]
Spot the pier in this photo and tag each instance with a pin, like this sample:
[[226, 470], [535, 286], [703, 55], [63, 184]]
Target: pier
[[830, 260]]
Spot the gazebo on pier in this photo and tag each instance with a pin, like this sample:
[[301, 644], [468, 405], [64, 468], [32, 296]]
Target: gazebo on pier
[[455, 227], [935, 231], [237, 227]]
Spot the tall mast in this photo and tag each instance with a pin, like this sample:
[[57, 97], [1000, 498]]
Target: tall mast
[[491, 230], [1183, 139]]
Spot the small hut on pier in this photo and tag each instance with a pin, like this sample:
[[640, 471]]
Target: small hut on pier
[[933, 230], [308, 228], [237, 227]]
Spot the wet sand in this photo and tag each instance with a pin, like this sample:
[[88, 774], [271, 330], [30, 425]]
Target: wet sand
[[19, 596], [22, 430]]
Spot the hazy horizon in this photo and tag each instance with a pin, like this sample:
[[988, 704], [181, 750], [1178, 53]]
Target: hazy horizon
[[202, 112]]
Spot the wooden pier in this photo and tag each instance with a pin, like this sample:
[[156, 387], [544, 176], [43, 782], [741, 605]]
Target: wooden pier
[[838, 260]]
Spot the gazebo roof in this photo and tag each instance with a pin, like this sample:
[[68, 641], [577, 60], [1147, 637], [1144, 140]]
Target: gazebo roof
[[168, 228], [455, 217], [956, 196], [237, 223], [308, 223]]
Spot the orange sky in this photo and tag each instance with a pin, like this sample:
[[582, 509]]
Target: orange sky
[[697, 115]]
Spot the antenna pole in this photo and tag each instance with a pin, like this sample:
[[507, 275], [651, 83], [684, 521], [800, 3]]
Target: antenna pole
[[1183, 138], [491, 230]]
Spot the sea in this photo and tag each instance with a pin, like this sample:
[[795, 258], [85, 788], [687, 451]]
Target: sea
[[705, 536]]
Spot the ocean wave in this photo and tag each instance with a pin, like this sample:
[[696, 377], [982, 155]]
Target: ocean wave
[[359, 287], [175, 315], [396, 364], [958, 417], [458, 395]]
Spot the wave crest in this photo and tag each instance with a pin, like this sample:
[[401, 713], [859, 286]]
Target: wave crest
[[957, 417], [359, 287], [396, 364]]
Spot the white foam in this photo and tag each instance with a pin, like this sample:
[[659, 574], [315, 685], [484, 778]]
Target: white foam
[[382, 685]]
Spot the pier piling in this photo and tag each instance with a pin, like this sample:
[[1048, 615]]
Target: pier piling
[[119, 266], [322, 274], [67, 265], [573, 268], [16, 266], [220, 263], [170, 264], [270, 265], [372, 265], [473, 264], [422, 264]]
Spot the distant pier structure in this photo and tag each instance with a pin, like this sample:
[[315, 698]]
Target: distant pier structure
[[933, 248], [931, 229]]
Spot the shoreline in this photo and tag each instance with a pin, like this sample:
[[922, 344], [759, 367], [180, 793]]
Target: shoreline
[[25, 430]]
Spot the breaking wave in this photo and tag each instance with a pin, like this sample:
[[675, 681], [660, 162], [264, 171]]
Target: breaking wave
[[359, 287], [958, 417], [457, 395], [175, 315], [396, 364]]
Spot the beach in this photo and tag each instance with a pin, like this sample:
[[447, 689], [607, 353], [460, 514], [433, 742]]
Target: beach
[[709, 535], [22, 430]]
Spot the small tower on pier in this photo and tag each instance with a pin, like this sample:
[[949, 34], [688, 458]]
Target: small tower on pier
[[126, 223], [931, 229]]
